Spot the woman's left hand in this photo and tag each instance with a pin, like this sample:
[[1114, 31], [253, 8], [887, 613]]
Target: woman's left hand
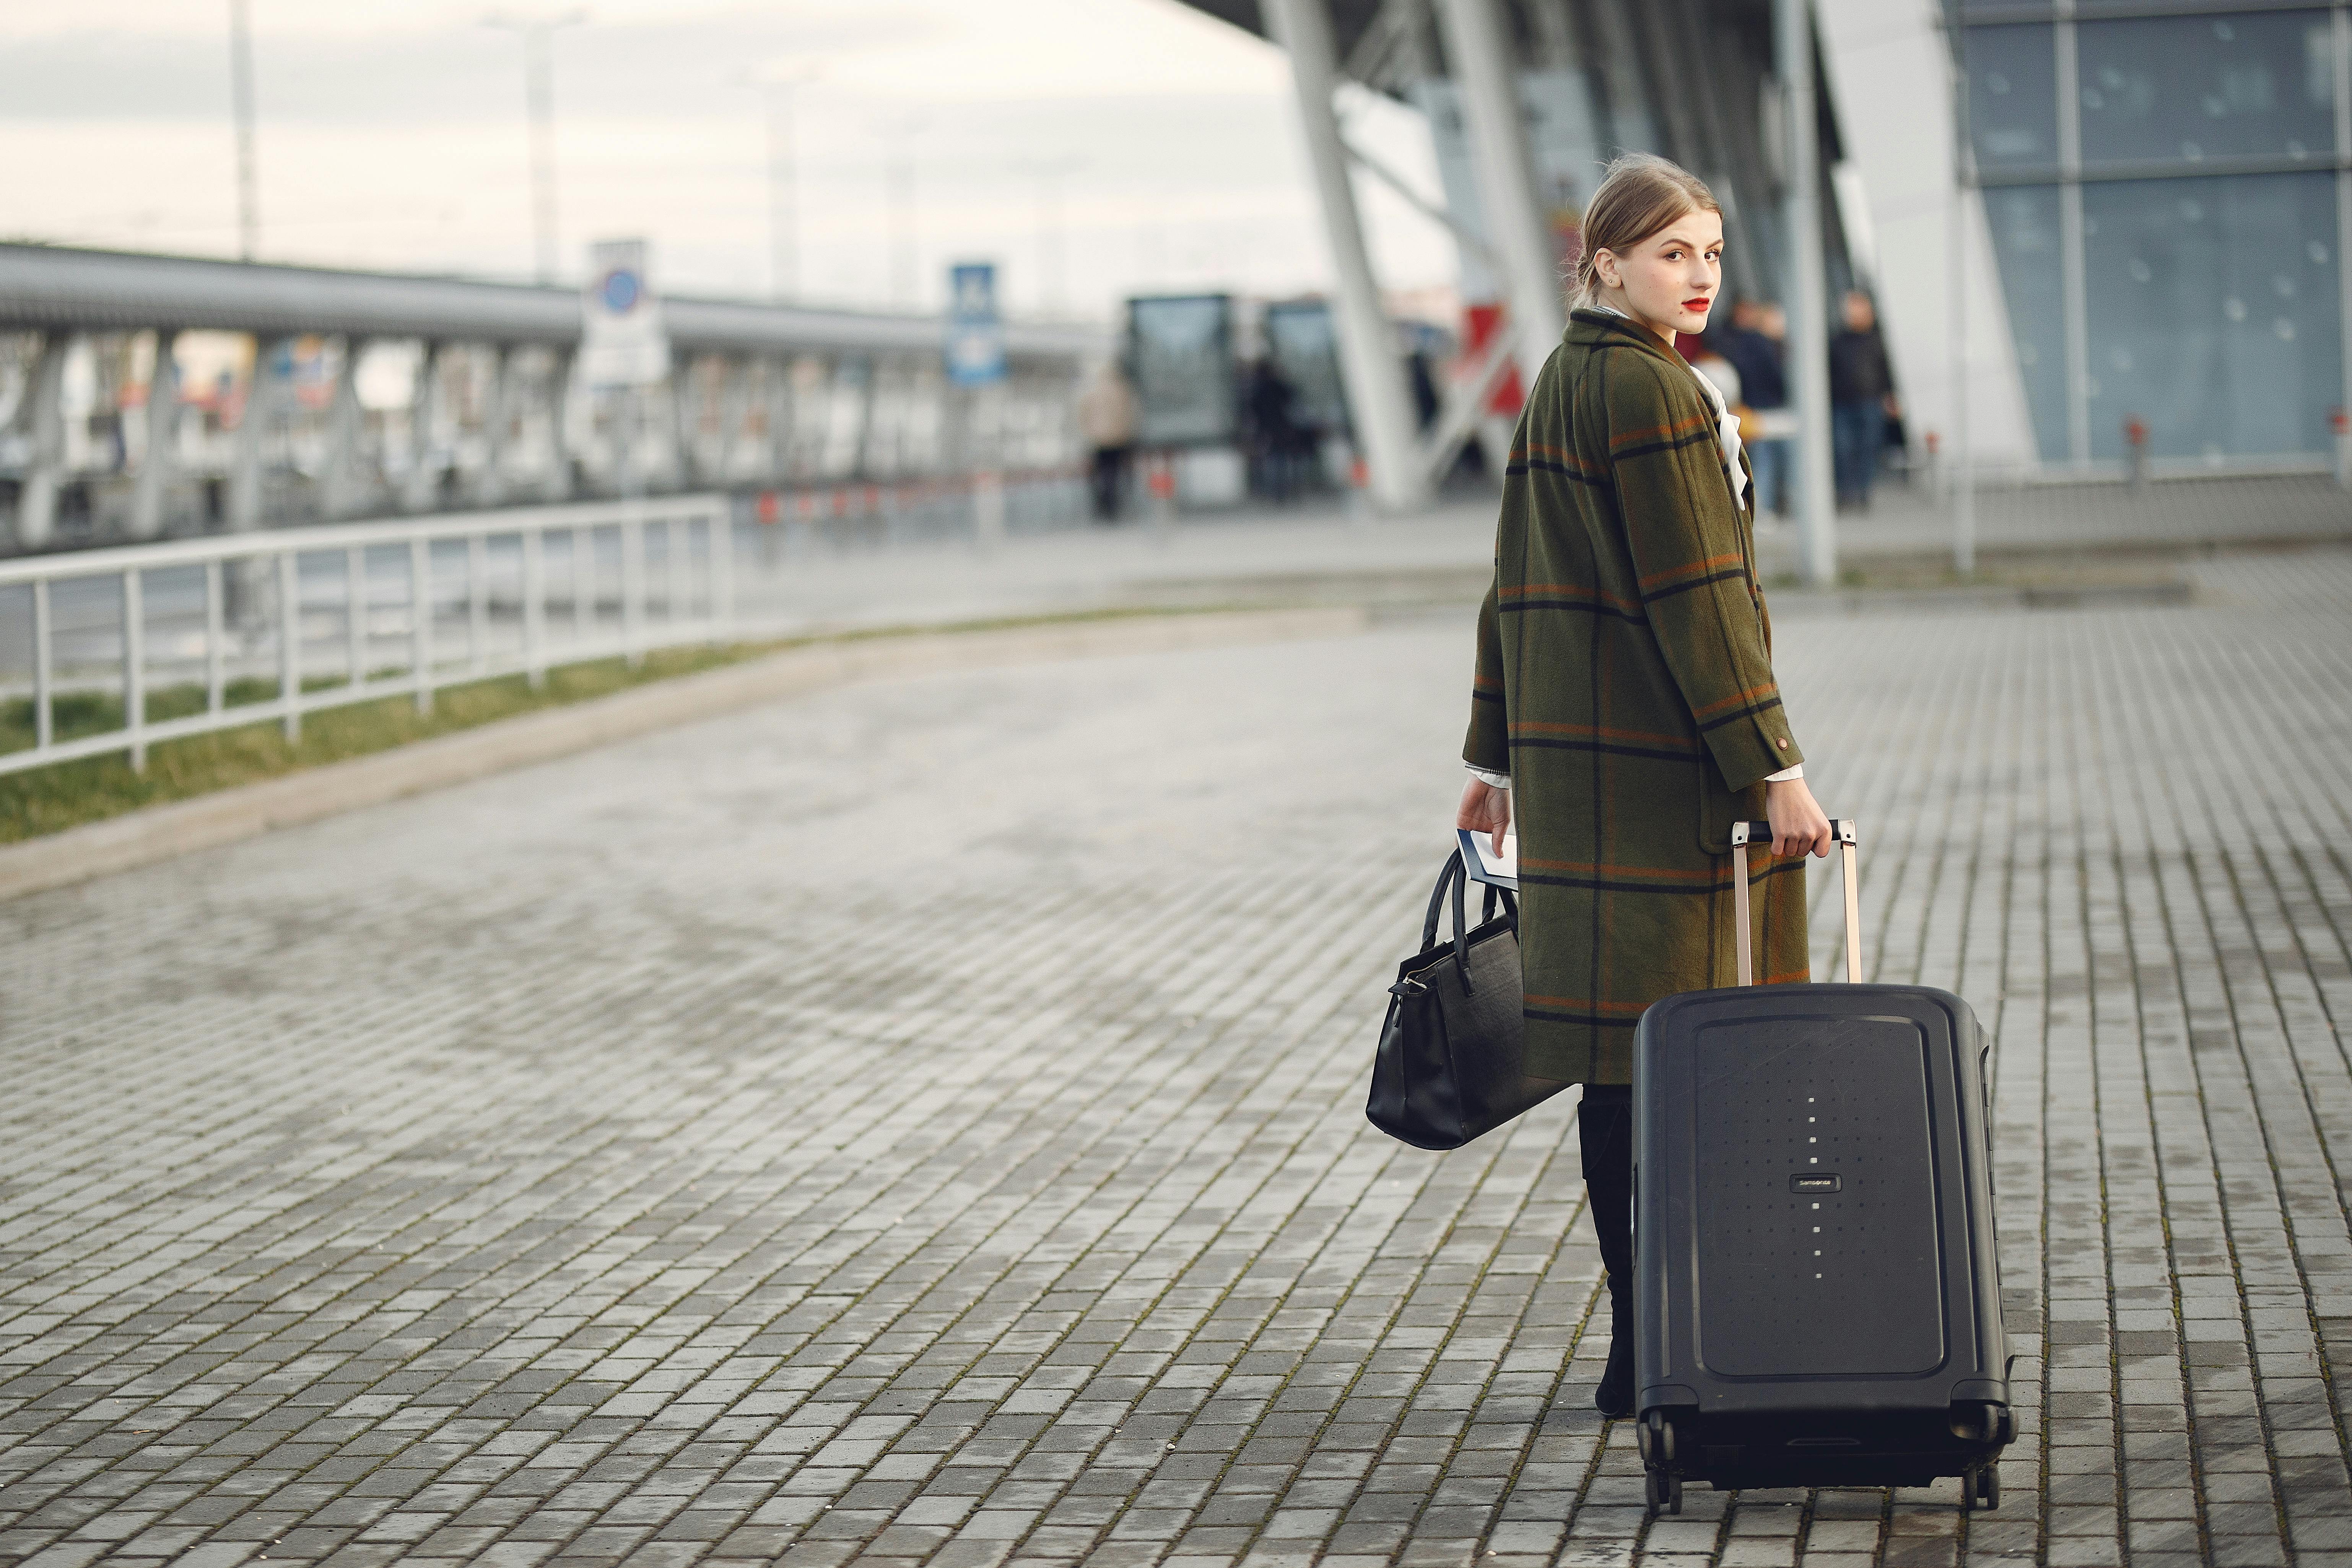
[[1485, 809]]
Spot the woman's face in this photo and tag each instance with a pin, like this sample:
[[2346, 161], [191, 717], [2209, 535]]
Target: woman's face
[[1668, 282]]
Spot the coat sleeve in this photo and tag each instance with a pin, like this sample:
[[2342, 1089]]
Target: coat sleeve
[[1487, 745], [1684, 538]]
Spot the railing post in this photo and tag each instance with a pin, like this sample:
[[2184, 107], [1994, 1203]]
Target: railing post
[[478, 602], [632, 590], [290, 642], [677, 564], [356, 612], [583, 583], [534, 608], [722, 575], [43, 724], [134, 666], [420, 621], [216, 640]]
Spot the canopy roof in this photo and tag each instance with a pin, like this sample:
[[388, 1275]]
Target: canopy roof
[[56, 286]]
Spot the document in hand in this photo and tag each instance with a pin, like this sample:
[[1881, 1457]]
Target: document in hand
[[1484, 865]]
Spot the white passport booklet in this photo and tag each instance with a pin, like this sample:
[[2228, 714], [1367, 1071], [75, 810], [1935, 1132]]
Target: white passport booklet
[[1484, 865]]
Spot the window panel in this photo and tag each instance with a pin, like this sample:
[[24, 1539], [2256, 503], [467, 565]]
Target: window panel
[[2213, 314], [2012, 96], [2185, 88], [2025, 243]]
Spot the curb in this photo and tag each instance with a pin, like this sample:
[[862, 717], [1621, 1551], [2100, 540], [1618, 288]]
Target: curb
[[163, 832]]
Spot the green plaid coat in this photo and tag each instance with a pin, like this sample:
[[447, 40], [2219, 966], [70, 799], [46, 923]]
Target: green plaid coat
[[1625, 683]]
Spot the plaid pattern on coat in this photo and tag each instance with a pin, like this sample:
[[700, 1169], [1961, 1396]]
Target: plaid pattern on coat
[[1625, 683]]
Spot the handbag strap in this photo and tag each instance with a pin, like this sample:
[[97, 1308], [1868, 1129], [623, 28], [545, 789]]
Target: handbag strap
[[1461, 927], [1455, 879], [1447, 877]]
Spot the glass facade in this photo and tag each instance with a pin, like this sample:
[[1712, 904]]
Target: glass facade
[[2213, 314], [2164, 90], [2025, 243], [2014, 95], [2192, 160]]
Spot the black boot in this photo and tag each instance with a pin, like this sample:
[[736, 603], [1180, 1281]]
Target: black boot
[[1604, 1124], [1614, 1397]]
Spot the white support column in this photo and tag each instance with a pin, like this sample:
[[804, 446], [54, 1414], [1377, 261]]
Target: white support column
[[555, 483], [497, 415], [2341, 51], [1808, 345], [343, 494], [421, 486], [869, 395], [686, 422], [2073, 282], [1370, 364], [37, 502], [159, 459], [781, 413], [1505, 172], [734, 413], [261, 397]]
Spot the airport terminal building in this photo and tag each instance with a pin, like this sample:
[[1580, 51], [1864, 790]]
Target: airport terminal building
[[2079, 218], [2163, 189]]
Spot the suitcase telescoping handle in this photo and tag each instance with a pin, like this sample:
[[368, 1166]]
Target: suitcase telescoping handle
[[1742, 835]]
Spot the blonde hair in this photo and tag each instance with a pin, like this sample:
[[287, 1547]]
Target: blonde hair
[[1640, 194]]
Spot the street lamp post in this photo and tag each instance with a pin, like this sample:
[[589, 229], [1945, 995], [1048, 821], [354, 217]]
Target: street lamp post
[[1053, 258], [240, 78], [776, 84], [538, 107], [899, 184], [1808, 345]]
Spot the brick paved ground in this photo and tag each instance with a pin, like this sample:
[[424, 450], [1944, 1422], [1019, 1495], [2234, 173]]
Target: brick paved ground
[[924, 1122]]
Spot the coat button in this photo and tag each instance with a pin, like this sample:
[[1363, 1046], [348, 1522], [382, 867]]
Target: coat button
[[1783, 743]]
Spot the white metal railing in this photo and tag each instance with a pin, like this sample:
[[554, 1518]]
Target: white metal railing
[[522, 591]]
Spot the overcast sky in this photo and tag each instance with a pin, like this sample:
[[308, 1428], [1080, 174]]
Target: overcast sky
[[392, 134]]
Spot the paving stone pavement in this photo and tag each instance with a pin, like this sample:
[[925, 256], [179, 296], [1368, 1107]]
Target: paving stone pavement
[[923, 1123]]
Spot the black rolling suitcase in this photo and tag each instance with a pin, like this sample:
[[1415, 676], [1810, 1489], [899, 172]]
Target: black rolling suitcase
[[1818, 1302]]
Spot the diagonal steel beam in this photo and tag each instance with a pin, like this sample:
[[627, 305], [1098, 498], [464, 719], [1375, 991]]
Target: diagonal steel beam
[[1434, 211], [1368, 61], [1457, 416]]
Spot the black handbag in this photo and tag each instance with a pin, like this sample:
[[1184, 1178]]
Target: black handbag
[[1449, 1066]]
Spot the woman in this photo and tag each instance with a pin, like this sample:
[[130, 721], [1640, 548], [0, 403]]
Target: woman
[[1624, 696]]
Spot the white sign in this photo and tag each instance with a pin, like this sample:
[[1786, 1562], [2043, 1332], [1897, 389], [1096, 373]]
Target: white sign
[[622, 340]]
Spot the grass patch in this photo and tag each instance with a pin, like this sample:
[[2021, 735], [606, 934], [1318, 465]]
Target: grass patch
[[65, 794]]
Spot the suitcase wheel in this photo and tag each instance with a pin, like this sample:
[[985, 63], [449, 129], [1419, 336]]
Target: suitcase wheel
[[1656, 1436], [1980, 1487]]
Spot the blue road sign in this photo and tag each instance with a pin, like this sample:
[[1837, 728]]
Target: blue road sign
[[622, 291], [975, 346]]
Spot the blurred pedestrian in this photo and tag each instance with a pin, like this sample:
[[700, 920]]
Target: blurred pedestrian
[[1425, 401], [1862, 400], [1752, 343], [1274, 431], [1109, 417], [1720, 373], [1624, 708]]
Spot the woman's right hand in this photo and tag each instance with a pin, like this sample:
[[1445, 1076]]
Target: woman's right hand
[[1799, 827], [1485, 809]]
